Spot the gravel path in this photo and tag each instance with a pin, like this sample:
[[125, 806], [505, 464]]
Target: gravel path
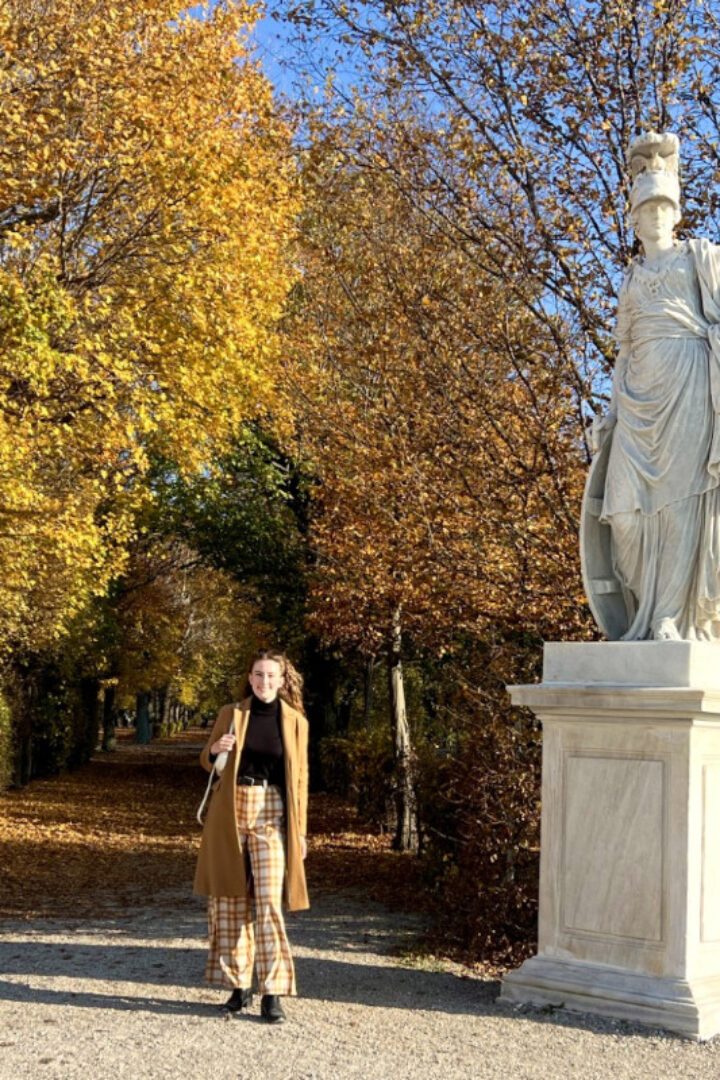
[[123, 998]]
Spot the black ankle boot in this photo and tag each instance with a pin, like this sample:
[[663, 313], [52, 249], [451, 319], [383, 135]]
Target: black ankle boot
[[271, 1009], [238, 1000]]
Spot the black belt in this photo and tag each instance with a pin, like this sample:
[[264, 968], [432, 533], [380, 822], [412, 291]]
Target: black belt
[[252, 781]]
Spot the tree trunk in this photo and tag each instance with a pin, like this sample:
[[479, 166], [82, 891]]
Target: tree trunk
[[163, 701], [87, 723], [406, 833], [142, 720], [368, 692], [20, 693], [109, 741], [156, 712]]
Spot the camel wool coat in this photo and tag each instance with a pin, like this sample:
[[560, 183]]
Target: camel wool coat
[[221, 863]]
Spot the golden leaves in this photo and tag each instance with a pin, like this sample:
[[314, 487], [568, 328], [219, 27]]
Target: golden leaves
[[82, 841], [433, 411], [147, 203], [102, 838]]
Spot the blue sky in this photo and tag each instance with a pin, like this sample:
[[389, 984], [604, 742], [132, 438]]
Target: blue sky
[[279, 52], [270, 38], [271, 43]]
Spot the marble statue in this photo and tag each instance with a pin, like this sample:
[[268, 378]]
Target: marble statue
[[656, 495]]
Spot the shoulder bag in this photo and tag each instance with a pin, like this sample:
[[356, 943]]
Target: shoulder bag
[[218, 766]]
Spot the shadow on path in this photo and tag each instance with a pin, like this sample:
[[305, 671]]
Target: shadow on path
[[336, 958], [341, 957], [319, 979]]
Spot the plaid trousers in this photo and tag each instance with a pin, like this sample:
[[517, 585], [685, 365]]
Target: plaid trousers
[[236, 940]]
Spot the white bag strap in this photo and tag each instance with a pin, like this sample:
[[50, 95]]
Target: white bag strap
[[208, 789]]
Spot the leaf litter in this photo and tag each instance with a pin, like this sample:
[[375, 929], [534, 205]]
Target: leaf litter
[[120, 831]]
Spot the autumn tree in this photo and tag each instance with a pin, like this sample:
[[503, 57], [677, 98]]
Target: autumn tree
[[482, 156], [147, 206], [445, 439], [530, 108], [146, 202], [245, 515], [183, 630]]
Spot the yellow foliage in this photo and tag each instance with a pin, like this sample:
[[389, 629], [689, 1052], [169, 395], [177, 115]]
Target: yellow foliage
[[183, 626], [147, 205]]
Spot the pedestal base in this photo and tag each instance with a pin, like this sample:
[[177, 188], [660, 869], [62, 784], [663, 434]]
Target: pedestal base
[[691, 1009], [630, 852]]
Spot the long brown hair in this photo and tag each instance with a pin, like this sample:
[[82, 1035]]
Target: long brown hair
[[291, 689]]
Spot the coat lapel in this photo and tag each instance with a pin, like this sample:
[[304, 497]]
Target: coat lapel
[[288, 737]]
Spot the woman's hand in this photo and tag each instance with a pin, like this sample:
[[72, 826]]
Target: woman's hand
[[224, 743], [303, 847]]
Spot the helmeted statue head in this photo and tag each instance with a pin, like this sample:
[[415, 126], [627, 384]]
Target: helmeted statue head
[[654, 159]]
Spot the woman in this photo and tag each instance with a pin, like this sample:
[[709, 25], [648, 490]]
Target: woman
[[661, 497], [253, 843]]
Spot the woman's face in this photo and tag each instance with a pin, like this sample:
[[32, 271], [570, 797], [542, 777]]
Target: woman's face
[[655, 220], [265, 679]]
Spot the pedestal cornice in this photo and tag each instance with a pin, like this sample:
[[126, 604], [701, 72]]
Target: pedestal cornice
[[664, 704]]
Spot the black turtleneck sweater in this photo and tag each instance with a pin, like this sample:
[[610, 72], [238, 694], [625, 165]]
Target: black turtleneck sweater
[[262, 753]]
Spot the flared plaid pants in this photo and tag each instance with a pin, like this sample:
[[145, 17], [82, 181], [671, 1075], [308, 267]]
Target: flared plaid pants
[[236, 940]]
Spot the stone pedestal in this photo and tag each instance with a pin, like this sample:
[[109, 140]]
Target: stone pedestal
[[630, 855]]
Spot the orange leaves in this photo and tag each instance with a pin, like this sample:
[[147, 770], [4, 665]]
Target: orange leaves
[[117, 832], [101, 836], [182, 625], [436, 402], [433, 410]]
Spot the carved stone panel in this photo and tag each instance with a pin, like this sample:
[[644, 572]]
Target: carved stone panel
[[614, 813]]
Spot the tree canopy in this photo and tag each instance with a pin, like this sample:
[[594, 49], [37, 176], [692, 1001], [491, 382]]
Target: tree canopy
[[147, 203]]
